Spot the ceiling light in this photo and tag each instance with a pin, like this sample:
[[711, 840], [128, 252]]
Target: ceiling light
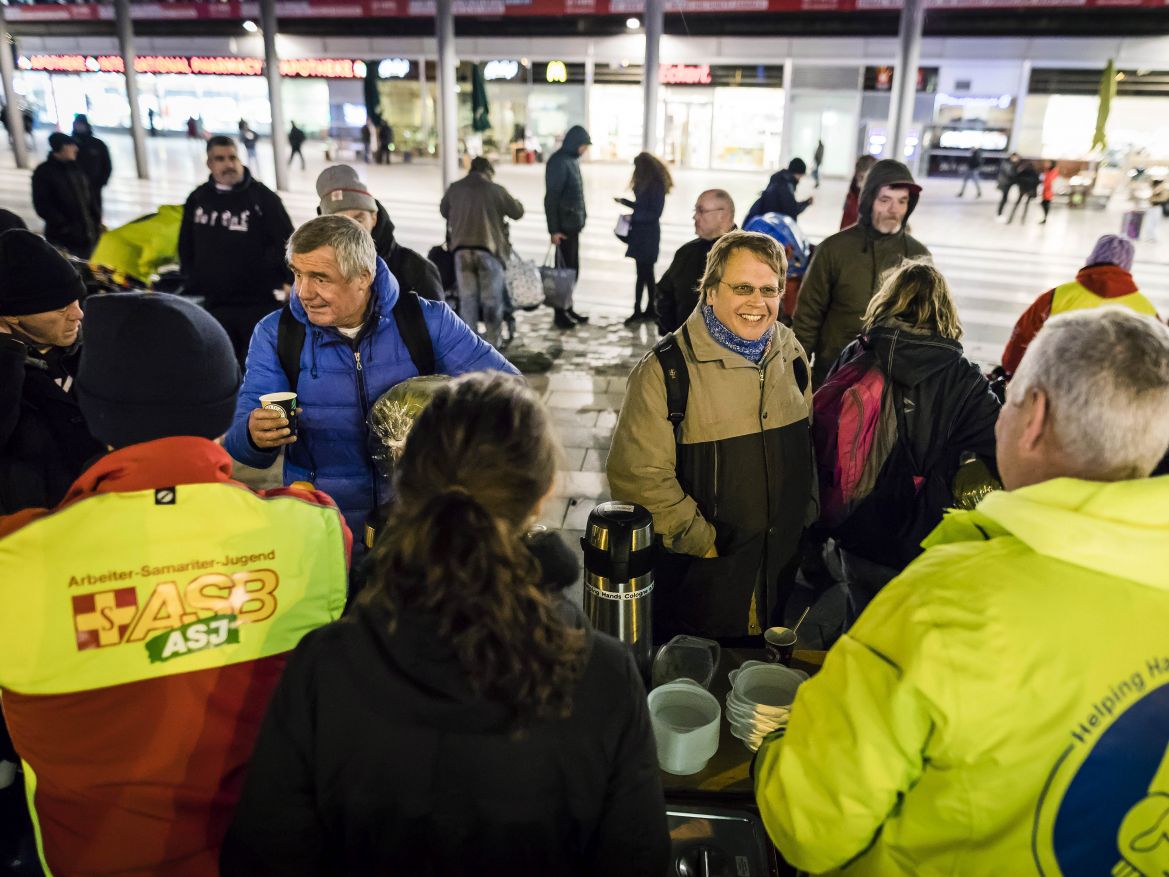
[[632, 23], [250, 26]]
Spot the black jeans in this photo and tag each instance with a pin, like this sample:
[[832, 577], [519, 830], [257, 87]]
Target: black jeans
[[1003, 203], [645, 280], [570, 251]]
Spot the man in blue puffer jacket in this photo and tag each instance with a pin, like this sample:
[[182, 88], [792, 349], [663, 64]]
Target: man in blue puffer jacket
[[353, 351]]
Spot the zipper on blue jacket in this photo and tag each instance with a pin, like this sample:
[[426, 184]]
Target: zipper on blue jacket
[[363, 397]]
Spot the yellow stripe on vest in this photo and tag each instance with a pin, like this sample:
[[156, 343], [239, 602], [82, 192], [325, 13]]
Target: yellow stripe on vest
[[1077, 297], [123, 587]]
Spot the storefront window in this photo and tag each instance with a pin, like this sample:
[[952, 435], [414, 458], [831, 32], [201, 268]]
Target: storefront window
[[747, 127], [552, 110], [616, 119]]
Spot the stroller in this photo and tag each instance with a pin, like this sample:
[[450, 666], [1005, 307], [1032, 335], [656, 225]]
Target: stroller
[[799, 254]]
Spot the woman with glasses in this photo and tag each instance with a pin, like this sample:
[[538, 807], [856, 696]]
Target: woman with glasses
[[455, 722], [651, 183], [730, 488]]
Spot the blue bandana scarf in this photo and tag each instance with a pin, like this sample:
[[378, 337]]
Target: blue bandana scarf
[[752, 350]]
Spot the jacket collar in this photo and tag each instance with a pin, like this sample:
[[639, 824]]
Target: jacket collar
[[706, 349], [160, 463], [384, 292], [1107, 281]]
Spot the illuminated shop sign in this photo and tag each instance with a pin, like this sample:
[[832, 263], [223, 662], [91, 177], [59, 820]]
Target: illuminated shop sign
[[393, 68], [557, 72], [1002, 102], [684, 74], [500, 70], [307, 68]]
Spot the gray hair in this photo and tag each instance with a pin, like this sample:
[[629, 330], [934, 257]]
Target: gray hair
[[1105, 373], [352, 245]]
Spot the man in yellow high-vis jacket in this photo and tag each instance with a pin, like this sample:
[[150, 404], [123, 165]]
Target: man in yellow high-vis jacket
[[147, 618], [1002, 707]]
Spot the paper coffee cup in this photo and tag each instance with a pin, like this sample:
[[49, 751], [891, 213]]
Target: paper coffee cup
[[285, 403]]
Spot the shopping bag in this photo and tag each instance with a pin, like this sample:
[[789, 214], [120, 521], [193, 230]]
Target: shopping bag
[[558, 280], [1130, 225], [621, 229], [523, 283]]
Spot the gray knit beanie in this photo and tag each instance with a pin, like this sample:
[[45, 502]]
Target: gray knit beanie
[[339, 189]]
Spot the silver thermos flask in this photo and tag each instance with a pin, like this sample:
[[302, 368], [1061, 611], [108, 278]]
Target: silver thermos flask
[[618, 575]]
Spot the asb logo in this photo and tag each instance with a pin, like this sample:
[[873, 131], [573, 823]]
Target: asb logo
[[102, 619], [203, 614], [1105, 806]]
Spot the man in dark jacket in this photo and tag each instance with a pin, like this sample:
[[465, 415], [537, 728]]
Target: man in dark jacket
[[564, 208], [62, 198], [780, 194], [1006, 179], [231, 244], [476, 209], [94, 158], [848, 266], [296, 138], [341, 191], [44, 443], [677, 290]]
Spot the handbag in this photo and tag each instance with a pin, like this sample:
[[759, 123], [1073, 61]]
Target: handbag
[[621, 229], [523, 283], [558, 280]]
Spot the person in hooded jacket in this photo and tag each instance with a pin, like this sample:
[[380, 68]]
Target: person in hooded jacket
[[847, 268], [564, 210], [94, 158], [231, 244], [780, 194], [455, 722], [44, 441], [342, 192], [911, 333], [1001, 707], [1105, 279], [62, 198]]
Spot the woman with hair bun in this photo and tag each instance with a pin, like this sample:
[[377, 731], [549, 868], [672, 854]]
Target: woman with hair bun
[[455, 723]]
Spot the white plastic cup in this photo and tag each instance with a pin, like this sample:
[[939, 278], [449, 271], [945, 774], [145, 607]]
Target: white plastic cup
[[685, 718], [771, 688]]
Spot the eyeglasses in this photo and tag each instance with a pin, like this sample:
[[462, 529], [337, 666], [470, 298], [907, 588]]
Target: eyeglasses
[[698, 211], [746, 289]]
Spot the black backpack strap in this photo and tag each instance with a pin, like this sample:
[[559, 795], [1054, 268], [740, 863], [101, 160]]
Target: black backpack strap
[[677, 377], [412, 327], [289, 341]]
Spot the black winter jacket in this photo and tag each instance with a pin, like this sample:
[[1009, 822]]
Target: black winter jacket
[[778, 197], [645, 226], [44, 444], [948, 410], [677, 290], [231, 244], [564, 201], [94, 157], [62, 198], [414, 272], [377, 758]]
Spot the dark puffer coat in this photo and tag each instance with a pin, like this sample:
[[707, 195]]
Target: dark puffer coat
[[414, 272], [564, 201], [645, 227]]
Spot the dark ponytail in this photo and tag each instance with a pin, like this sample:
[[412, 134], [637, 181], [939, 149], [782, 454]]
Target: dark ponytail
[[476, 463]]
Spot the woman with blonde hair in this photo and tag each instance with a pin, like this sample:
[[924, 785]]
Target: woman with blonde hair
[[935, 409], [455, 722], [651, 183]]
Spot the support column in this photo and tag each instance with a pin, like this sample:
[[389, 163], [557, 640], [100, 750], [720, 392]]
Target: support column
[[424, 96], [654, 23], [785, 133], [275, 96], [905, 77], [126, 46], [1020, 99], [448, 128], [590, 72], [11, 99]]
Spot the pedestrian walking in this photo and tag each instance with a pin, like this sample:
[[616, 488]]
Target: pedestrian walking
[[150, 116], [93, 156], [972, 173], [651, 183], [1006, 180], [385, 139], [249, 138], [231, 244], [564, 210], [62, 198], [780, 194], [1028, 180], [366, 139], [1050, 175], [476, 210], [817, 160], [296, 138], [192, 128]]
